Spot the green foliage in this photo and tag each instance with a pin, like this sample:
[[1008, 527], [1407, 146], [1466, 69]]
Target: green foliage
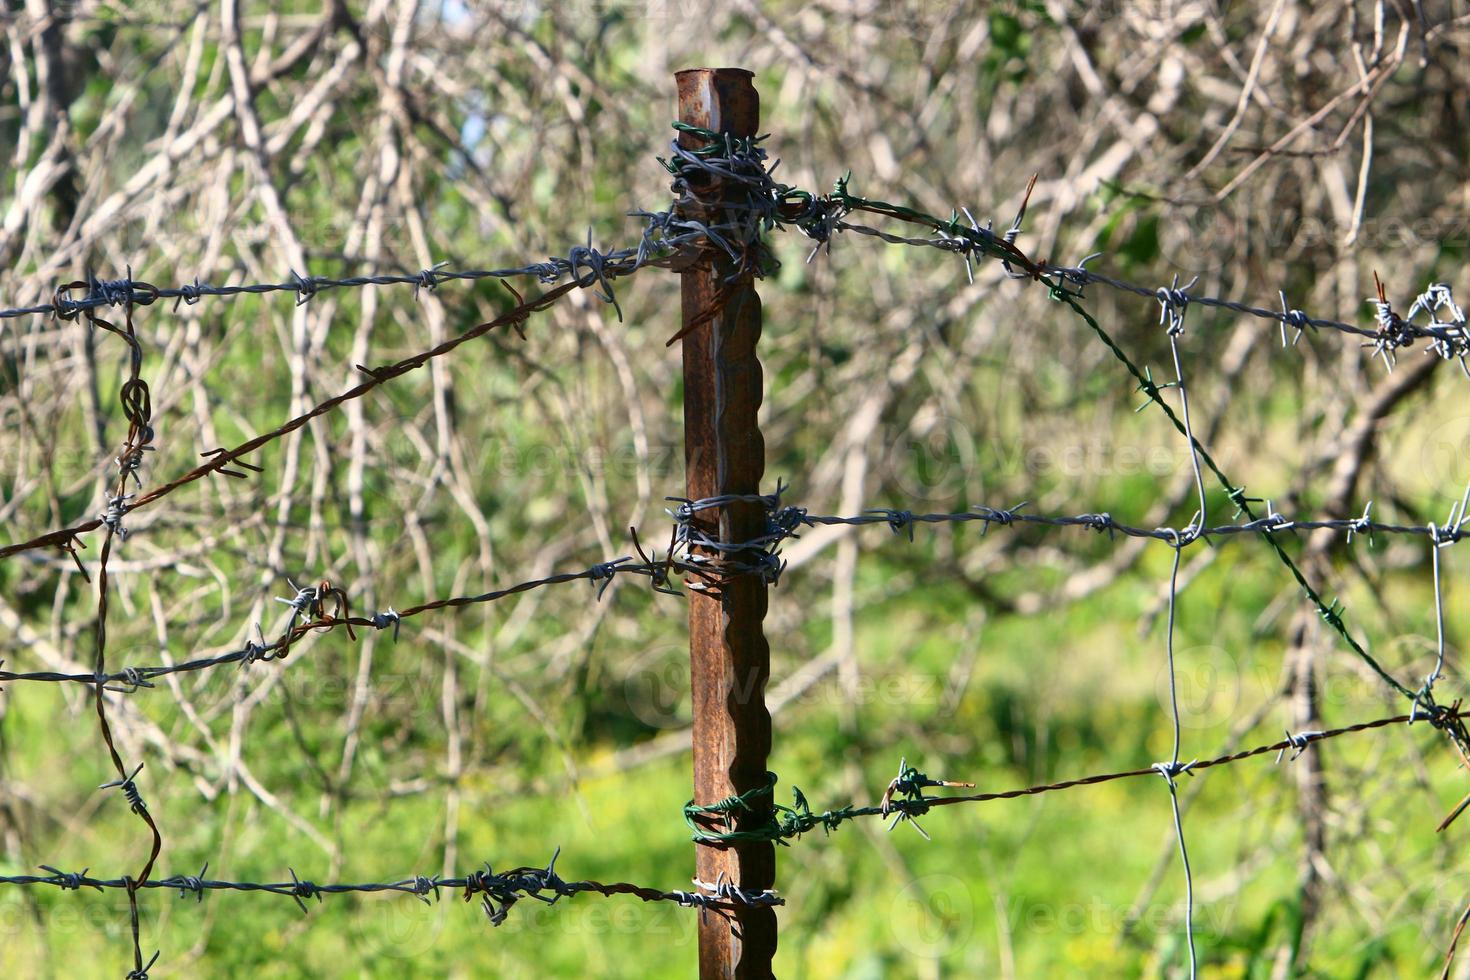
[[496, 733]]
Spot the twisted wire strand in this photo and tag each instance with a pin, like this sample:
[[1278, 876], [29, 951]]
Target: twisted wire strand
[[305, 287], [498, 891], [1103, 522], [1449, 339], [1172, 769], [785, 521], [792, 822], [131, 679], [137, 409], [761, 558]]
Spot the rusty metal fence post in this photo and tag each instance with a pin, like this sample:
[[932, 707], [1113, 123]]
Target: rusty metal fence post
[[724, 454]]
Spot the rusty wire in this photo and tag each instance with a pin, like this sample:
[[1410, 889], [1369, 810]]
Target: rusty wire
[[498, 891], [131, 679]]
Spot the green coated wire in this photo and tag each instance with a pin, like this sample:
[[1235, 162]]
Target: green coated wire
[[783, 824], [788, 822]]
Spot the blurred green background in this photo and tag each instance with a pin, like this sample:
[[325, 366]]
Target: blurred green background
[[399, 134]]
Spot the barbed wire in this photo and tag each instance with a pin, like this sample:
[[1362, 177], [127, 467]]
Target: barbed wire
[[824, 216], [311, 601], [1175, 300], [783, 522], [665, 234], [679, 230], [103, 292], [785, 519], [759, 557], [904, 800], [772, 205], [498, 891], [220, 459], [1449, 339]]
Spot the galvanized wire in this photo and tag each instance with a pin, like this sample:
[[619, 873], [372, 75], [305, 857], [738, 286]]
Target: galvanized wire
[[1172, 769], [311, 614], [1447, 338]]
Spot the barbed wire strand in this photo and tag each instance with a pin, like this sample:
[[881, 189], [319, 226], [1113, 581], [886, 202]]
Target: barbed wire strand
[[784, 522], [312, 601], [1449, 339], [792, 822], [305, 287], [1273, 523], [498, 891]]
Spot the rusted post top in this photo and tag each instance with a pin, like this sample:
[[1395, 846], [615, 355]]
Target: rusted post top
[[724, 454], [721, 99]]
